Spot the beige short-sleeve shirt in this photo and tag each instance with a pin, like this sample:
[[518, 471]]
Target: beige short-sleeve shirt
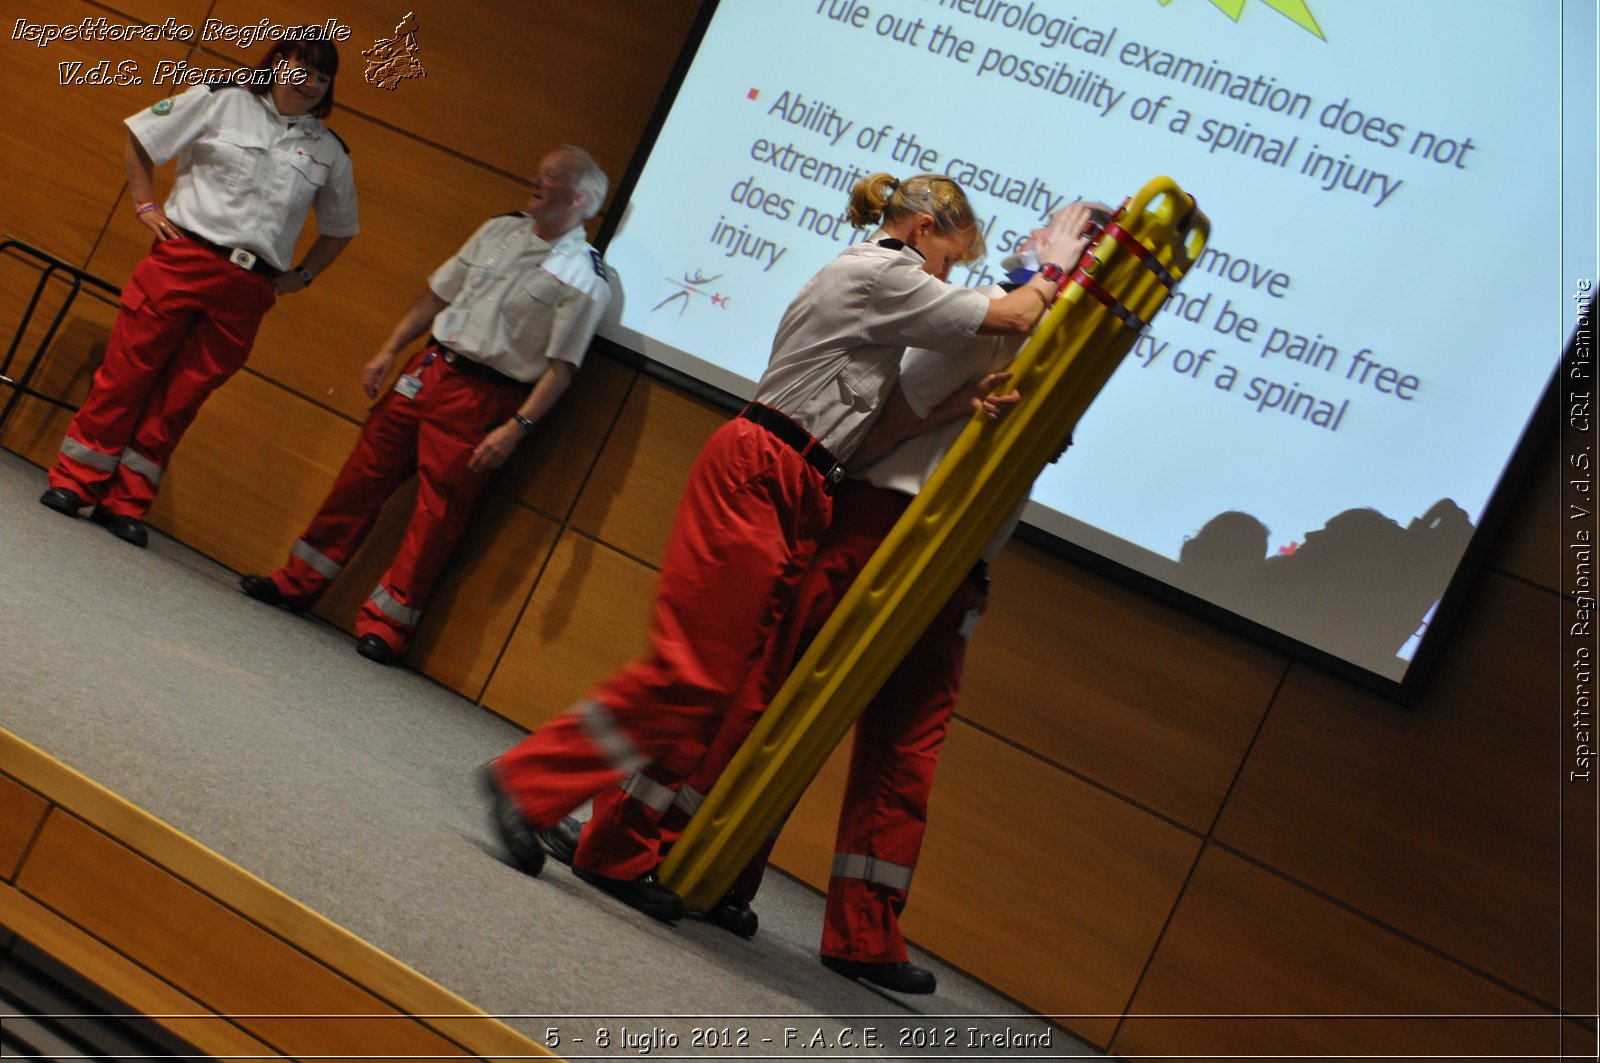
[[838, 347], [518, 302], [927, 378]]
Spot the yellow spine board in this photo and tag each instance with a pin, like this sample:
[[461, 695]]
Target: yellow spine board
[[986, 474]]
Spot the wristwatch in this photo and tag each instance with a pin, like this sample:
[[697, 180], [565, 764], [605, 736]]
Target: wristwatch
[[524, 423], [1052, 273], [305, 275]]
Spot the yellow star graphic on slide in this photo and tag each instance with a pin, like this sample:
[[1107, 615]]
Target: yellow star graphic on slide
[[1297, 11]]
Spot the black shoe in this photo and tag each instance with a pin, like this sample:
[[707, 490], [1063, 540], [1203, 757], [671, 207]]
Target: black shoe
[[262, 589], [734, 914], [373, 648], [128, 529], [901, 977], [645, 893], [561, 841], [520, 840], [64, 500]]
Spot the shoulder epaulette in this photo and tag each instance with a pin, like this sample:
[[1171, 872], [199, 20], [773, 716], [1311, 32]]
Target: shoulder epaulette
[[579, 265]]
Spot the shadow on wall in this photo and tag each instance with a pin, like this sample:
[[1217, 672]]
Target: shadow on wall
[[1360, 587]]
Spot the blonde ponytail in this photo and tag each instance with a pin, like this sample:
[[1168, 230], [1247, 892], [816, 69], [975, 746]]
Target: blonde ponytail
[[881, 199]]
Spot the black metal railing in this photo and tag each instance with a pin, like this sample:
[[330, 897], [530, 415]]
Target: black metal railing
[[50, 267]]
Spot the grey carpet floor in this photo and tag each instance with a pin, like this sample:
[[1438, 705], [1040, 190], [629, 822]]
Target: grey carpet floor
[[352, 788]]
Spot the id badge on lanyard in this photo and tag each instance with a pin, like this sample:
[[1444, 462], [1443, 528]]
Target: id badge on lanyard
[[410, 384]]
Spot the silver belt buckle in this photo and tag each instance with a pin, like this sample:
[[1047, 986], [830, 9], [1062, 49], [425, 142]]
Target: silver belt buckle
[[242, 258], [834, 475]]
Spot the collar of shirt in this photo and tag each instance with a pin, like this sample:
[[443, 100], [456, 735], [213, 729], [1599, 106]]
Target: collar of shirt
[[307, 125], [566, 240], [881, 243]]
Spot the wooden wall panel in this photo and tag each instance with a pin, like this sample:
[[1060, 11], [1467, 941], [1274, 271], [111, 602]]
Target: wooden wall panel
[[208, 951], [1048, 889], [552, 464], [1245, 945], [1132, 694], [1051, 888], [250, 473], [632, 497], [1441, 821], [506, 82], [21, 810], [61, 145], [588, 616], [481, 595]]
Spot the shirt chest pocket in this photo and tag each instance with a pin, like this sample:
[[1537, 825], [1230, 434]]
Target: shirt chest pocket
[[305, 176], [308, 169], [238, 157], [864, 383], [530, 307]]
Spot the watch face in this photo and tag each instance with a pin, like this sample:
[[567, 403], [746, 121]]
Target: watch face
[[305, 275]]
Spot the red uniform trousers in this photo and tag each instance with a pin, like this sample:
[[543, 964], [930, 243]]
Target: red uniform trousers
[[750, 517], [187, 321], [896, 748], [884, 812], [433, 436], [633, 823]]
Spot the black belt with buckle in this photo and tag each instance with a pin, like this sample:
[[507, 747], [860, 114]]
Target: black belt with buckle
[[467, 367], [799, 440], [246, 260]]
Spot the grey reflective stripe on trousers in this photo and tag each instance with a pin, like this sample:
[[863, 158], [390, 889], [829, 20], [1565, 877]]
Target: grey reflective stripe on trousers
[[316, 559], [142, 465], [689, 799], [602, 729], [647, 792], [400, 614], [871, 869], [93, 458]]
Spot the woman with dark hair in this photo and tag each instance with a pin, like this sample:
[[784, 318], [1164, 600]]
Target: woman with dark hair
[[252, 160], [758, 501]]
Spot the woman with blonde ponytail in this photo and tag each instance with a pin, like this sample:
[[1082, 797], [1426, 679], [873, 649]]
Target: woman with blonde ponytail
[[758, 500]]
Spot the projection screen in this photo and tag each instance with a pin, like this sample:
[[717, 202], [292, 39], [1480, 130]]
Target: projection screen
[[1309, 436]]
